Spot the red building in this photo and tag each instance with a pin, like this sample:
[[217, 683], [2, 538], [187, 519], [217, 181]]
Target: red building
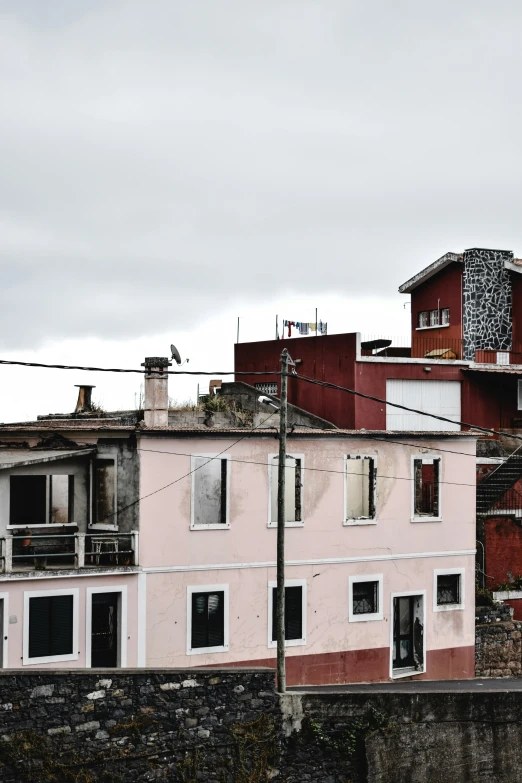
[[464, 363]]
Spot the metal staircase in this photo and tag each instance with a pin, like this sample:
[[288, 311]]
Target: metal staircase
[[493, 493]]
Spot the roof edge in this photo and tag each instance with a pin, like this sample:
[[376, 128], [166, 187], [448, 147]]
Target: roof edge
[[430, 271]]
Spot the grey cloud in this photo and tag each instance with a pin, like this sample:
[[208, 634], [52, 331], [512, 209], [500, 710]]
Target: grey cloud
[[162, 160]]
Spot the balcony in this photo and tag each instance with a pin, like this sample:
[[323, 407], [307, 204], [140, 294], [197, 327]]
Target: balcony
[[432, 348], [31, 550]]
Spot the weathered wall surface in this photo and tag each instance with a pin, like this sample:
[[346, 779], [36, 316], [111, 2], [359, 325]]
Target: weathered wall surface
[[498, 649]]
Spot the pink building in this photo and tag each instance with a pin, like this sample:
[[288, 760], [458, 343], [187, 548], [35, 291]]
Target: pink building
[[380, 545]]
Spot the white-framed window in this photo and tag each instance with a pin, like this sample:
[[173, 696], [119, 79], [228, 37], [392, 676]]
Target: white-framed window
[[294, 473], [112, 630], [365, 598], [50, 626], [423, 319], [207, 619], [41, 500], [360, 489], [210, 501], [426, 495], [519, 395], [503, 357], [445, 316], [4, 628], [448, 589], [295, 613], [434, 317], [104, 494]]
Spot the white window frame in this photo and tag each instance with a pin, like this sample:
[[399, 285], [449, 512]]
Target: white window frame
[[122, 624], [191, 589], [103, 525], [28, 594], [302, 583], [193, 466], [364, 618], [5, 630], [273, 522], [347, 521], [396, 674], [52, 525], [419, 319], [448, 572], [427, 461], [503, 357], [442, 321]]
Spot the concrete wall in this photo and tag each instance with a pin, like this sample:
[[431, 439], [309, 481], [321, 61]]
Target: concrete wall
[[321, 552]]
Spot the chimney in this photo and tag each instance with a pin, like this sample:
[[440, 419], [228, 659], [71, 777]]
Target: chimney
[[84, 404], [156, 404]]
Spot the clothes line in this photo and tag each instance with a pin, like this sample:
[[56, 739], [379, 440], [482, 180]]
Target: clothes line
[[305, 327]]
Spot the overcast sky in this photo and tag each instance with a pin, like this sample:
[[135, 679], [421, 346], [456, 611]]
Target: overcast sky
[[170, 165]]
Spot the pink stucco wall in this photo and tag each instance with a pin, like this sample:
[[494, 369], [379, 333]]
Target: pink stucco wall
[[324, 552]]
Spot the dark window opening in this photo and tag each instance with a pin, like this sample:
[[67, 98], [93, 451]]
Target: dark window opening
[[293, 613], [427, 487], [293, 489], [41, 500], [360, 488], [448, 589], [104, 491], [208, 620], [365, 597], [51, 626], [210, 490], [408, 633]]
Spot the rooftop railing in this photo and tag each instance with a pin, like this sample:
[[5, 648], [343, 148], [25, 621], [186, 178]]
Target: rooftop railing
[[425, 346]]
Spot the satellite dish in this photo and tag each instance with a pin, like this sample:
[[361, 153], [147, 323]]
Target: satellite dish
[[175, 354]]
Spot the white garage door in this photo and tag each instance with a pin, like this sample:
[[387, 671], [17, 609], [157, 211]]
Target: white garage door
[[440, 397]]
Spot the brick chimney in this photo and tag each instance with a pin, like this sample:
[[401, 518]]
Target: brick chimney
[[156, 404]]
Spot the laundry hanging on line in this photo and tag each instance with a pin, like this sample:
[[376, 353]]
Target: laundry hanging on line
[[305, 327]]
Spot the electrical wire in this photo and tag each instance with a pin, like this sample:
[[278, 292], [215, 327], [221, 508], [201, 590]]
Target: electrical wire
[[140, 372]]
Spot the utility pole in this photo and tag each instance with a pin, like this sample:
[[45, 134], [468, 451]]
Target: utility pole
[[281, 480]]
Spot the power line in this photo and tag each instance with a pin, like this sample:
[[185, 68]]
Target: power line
[[140, 372], [288, 467]]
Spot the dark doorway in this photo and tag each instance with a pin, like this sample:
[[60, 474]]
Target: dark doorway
[[408, 632], [104, 630]]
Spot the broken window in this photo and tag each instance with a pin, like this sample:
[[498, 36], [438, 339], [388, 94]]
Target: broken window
[[427, 487], [293, 613], [209, 491], [207, 620], [360, 488], [448, 589], [365, 597], [41, 500], [104, 492], [293, 489]]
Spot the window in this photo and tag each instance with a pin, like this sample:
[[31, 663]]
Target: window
[[41, 500], [503, 357], [519, 395], [50, 626], [293, 490], [365, 598], [445, 316], [267, 388], [104, 492], [207, 626], [423, 319], [434, 317], [106, 627], [210, 491], [448, 589], [426, 488], [295, 613], [360, 485]]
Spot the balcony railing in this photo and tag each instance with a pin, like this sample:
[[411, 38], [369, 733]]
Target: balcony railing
[[425, 346], [57, 551]]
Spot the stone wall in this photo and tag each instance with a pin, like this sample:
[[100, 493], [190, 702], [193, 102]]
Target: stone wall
[[125, 725], [498, 646]]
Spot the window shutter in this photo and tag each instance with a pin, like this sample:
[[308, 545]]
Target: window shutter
[[62, 624], [293, 613], [39, 627], [51, 626], [223, 504], [436, 486], [215, 620], [199, 620], [519, 401]]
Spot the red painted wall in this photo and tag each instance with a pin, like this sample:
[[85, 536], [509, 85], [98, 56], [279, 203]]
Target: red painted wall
[[446, 287], [503, 544], [329, 358]]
